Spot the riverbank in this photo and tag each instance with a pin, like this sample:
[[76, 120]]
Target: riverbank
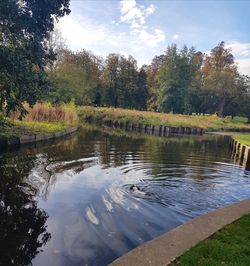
[[208, 123], [14, 132], [168, 247], [229, 246], [42, 122], [240, 146]]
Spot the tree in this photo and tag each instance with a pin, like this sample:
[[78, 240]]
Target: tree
[[24, 52], [110, 80], [243, 100], [221, 76], [174, 79], [75, 76], [152, 71], [142, 89], [120, 77]]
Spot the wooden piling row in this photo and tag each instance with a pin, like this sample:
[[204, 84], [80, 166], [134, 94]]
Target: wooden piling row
[[157, 130], [240, 154]]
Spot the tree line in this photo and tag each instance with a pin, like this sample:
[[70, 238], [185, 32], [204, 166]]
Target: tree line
[[182, 81], [35, 65]]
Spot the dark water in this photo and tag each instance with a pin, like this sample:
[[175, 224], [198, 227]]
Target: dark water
[[69, 203]]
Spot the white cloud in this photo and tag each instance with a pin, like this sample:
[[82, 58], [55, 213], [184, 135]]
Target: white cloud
[[150, 39], [140, 39], [135, 16], [239, 49], [244, 66], [175, 37], [79, 36]]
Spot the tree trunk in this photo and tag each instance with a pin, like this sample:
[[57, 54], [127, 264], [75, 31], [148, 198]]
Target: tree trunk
[[221, 107]]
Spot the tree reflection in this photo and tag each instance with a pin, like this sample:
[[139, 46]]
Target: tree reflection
[[22, 224]]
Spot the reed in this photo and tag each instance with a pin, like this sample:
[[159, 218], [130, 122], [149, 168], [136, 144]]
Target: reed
[[45, 112]]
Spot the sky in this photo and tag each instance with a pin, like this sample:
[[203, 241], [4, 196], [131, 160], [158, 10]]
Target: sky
[[144, 28]]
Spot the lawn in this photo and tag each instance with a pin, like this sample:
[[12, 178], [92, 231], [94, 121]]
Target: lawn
[[229, 246], [243, 139], [207, 122]]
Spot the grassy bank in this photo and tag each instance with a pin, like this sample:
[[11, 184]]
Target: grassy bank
[[207, 122], [42, 118], [243, 139], [229, 246]]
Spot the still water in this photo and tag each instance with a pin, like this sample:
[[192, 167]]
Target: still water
[[70, 203]]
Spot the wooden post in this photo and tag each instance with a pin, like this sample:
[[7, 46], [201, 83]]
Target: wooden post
[[157, 130], [242, 154], [181, 130], [193, 130], [246, 160]]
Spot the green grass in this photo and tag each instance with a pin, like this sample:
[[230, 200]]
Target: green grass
[[243, 139], [229, 246], [34, 126], [13, 129], [207, 122]]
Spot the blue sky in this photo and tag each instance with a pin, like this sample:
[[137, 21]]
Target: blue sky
[[144, 28]]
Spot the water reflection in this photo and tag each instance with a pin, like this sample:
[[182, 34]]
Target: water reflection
[[79, 188], [23, 230]]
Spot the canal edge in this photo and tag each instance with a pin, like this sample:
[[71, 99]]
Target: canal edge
[[166, 248], [37, 137], [240, 153], [157, 130]]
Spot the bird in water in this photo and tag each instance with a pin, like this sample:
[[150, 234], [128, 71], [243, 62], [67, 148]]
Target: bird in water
[[135, 188]]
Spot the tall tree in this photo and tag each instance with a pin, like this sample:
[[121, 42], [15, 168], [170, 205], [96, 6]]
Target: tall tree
[[111, 80], [75, 76], [152, 72], [221, 76], [24, 52], [174, 79], [120, 79], [142, 89]]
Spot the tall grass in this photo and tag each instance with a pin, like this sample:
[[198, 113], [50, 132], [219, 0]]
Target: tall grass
[[45, 112]]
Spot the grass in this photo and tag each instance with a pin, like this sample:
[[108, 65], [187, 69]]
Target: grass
[[243, 139], [45, 112], [43, 118], [229, 246], [38, 126], [207, 122]]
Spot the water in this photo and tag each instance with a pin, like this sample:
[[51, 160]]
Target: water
[[70, 203]]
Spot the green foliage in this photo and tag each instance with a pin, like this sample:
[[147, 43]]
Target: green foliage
[[186, 81], [229, 246], [180, 81], [24, 52], [174, 79], [123, 84], [75, 76]]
